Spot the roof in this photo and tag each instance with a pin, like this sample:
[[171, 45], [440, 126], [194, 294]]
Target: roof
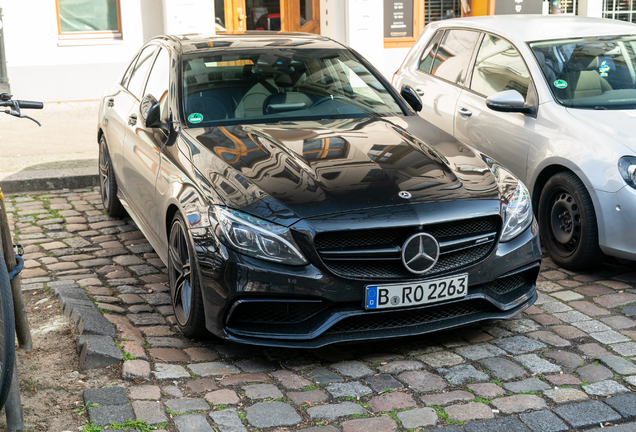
[[529, 28], [257, 39]]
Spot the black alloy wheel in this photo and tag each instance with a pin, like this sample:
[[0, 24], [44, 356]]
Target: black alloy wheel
[[107, 182], [567, 223], [185, 290]]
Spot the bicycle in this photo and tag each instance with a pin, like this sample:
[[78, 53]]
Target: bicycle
[[7, 318]]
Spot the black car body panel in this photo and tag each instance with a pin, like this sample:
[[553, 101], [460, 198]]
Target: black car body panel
[[405, 156], [326, 180]]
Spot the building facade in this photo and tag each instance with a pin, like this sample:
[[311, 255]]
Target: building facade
[[61, 50]]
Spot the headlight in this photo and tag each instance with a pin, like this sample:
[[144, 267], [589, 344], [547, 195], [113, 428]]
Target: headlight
[[257, 238], [517, 207], [517, 213], [627, 168]]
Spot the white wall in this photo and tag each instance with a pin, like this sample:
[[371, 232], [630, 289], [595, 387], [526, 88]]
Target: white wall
[[393, 58], [591, 8], [40, 67], [358, 23]]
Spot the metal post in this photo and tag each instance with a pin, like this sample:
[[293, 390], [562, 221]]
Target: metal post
[[21, 321], [13, 406], [4, 78]]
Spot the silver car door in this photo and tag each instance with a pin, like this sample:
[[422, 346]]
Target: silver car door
[[503, 136], [438, 77]]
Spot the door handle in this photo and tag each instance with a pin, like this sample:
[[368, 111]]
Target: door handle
[[465, 112], [110, 102], [132, 120], [419, 92]]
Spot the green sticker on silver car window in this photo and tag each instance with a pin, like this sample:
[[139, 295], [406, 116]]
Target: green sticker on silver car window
[[195, 118], [560, 84]]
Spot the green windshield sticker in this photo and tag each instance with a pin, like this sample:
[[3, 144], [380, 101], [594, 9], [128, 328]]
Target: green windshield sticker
[[560, 84], [195, 118]]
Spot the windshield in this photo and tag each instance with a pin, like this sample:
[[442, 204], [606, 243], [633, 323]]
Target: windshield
[[592, 72], [271, 85]]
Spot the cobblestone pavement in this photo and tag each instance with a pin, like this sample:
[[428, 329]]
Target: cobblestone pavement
[[564, 364]]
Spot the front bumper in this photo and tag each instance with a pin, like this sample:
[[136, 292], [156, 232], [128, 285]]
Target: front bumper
[[615, 216], [254, 302]]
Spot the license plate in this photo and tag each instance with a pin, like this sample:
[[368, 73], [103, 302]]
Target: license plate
[[413, 294]]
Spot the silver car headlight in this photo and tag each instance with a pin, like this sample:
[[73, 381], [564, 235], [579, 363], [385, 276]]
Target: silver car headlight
[[255, 237], [627, 168], [516, 204]]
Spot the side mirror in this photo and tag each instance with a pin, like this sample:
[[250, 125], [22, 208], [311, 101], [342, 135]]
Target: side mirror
[[150, 112], [411, 98], [508, 101]]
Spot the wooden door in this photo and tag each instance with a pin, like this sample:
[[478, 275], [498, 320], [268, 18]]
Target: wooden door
[[272, 15]]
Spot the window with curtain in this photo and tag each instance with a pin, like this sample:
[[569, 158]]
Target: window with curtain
[[89, 19]]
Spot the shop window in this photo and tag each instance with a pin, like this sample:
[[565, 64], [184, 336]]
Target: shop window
[[403, 22], [624, 10], [436, 10], [89, 19]]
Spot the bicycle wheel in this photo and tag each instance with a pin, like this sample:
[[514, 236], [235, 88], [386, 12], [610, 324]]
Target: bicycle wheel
[[7, 332]]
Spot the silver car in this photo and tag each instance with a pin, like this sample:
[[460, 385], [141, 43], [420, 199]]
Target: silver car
[[553, 99]]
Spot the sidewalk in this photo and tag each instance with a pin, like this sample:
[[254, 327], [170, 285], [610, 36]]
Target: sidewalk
[[61, 154]]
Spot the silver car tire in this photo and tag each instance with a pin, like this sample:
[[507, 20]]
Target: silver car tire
[[567, 223]]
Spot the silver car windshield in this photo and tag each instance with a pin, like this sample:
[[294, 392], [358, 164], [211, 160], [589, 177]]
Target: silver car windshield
[[592, 72], [280, 84]]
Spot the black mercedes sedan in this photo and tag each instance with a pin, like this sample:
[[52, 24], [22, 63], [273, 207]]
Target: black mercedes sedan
[[298, 200]]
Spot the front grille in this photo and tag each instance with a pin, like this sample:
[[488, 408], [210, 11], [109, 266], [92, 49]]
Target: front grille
[[410, 318], [264, 312], [343, 239], [383, 236], [376, 254]]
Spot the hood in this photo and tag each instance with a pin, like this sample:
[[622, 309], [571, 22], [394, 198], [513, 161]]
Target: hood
[[284, 172], [617, 124]]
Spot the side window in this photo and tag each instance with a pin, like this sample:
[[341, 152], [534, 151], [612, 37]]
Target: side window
[[453, 55], [126, 78], [135, 85], [426, 61], [159, 80], [499, 67]]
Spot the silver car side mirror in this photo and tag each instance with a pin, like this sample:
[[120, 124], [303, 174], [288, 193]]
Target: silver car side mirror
[[508, 101]]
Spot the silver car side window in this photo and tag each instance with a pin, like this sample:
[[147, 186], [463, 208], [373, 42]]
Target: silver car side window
[[499, 67], [453, 55], [428, 57]]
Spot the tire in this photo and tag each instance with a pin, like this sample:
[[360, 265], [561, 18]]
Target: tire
[[7, 336], [185, 287], [567, 223], [107, 182]]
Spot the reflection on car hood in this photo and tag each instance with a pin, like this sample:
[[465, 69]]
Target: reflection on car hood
[[288, 171], [617, 124]]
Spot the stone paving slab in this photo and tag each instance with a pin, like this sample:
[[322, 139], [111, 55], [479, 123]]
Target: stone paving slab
[[587, 414], [565, 364]]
